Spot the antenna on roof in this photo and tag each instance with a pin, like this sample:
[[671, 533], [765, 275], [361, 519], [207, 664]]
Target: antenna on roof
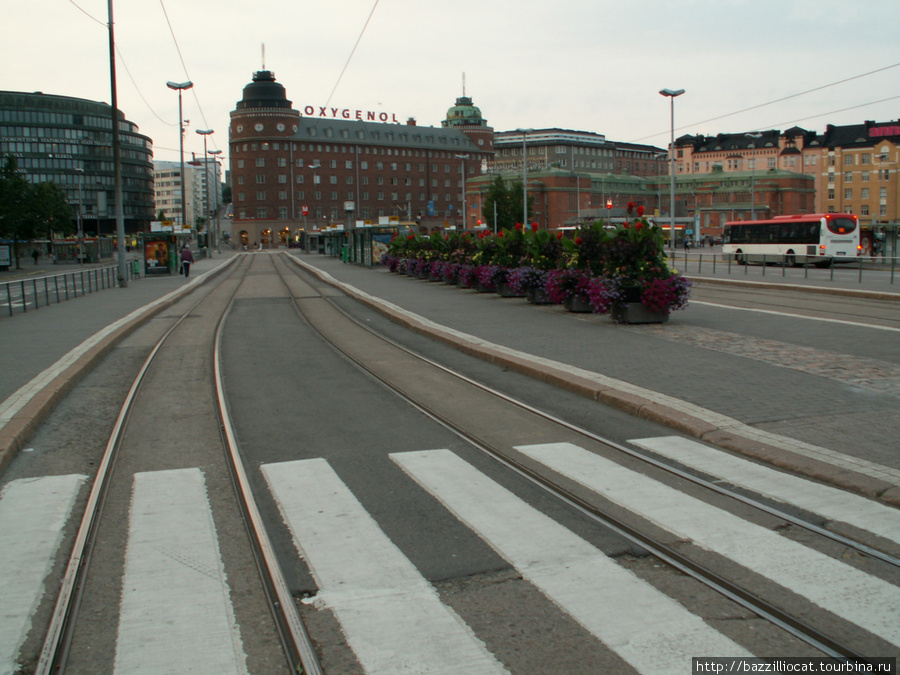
[[464, 84], [263, 55]]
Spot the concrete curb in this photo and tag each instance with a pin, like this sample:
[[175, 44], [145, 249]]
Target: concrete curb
[[710, 427], [39, 399]]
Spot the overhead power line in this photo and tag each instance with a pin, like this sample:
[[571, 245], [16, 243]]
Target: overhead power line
[[780, 100], [352, 51]]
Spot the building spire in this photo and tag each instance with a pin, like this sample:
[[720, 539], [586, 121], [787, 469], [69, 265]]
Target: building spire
[[464, 84], [263, 55]]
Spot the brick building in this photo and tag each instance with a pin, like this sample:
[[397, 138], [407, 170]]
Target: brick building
[[291, 172]]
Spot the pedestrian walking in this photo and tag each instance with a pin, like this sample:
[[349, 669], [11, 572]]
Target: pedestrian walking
[[35, 254], [186, 259]]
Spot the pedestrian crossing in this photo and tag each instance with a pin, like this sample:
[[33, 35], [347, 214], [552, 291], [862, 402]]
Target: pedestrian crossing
[[176, 612]]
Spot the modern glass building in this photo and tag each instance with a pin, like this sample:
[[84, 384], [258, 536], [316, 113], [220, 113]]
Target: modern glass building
[[69, 141]]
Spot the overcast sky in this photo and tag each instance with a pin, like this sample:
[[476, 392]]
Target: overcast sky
[[592, 65]]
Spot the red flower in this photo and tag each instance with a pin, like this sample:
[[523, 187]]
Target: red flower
[[559, 235], [630, 207], [518, 226], [534, 227], [410, 237], [627, 226], [640, 210], [578, 241], [638, 226], [502, 231]]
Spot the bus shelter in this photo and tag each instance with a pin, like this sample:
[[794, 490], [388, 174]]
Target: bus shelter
[[160, 252]]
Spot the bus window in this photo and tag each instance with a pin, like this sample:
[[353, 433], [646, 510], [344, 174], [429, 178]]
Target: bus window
[[841, 225]]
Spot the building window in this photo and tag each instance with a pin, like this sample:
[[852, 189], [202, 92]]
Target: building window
[[261, 196], [282, 178], [282, 161], [283, 213], [865, 158], [260, 178], [260, 161], [848, 193], [282, 195], [299, 179]]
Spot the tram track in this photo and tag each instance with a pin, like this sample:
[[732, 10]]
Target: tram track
[[61, 630], [762, 607], [413, 378]]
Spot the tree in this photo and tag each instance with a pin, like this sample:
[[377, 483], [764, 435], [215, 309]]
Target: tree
[[508, 201], [13, 193], [48, 211], [29, 211]]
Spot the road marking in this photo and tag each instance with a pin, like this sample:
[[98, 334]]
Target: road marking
[[869, 602], [797, 316], [176, 614], [823, 500], [393, 618], [33, 514], [645, 627]]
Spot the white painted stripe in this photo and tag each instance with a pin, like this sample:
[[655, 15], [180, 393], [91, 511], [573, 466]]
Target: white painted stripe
[[855, 324], [644, 626], [393, 618], [847, 592], [176, 614], [33, 512], [823, 500]]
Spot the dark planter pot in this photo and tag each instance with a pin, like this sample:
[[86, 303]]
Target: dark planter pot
[[635, 312], [538, 296], [578, 303], [507, 291]]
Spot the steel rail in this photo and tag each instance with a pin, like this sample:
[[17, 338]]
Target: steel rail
[[759, 606], [55, 649], [295, 639]]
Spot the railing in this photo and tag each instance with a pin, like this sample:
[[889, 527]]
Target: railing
[[23, 295], [716, 263]]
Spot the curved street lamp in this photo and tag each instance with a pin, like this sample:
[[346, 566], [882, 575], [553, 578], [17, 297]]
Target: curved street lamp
[[180, 87], [672, 94], [205, 133]]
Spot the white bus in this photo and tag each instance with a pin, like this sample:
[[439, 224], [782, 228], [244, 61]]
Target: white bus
[[815, 238]]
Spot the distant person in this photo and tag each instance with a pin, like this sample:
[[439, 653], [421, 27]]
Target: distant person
[[186, 259], [35, 255]]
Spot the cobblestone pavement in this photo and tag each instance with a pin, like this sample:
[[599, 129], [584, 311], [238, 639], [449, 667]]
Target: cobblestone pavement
[[870, 374]]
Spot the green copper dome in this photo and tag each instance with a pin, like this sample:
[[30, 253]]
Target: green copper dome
[[464, 114]]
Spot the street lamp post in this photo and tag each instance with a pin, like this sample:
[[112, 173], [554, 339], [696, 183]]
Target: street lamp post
[[524, 133], [80, 173], [215, 154], [180, 87], [753, 176], [205, 133], [672, 94], [464, 202], [315, 187]]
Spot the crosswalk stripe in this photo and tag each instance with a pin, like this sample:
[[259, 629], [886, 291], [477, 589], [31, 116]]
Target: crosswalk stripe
[[867, 601], [823, 500], [644, 626], [392, 617], [33, 513], [176, 615]]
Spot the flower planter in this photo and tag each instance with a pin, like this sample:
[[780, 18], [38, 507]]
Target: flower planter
[[578, 303], [507, 291], [635, 312], [538, 296]]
